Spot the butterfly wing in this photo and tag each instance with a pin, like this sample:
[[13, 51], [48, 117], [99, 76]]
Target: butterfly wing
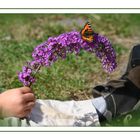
[[87, 33]]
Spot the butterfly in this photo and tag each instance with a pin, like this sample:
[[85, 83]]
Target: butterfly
[[87, 33]]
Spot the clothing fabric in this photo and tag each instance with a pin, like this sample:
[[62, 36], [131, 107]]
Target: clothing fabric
[[100, 104], [59, 113]]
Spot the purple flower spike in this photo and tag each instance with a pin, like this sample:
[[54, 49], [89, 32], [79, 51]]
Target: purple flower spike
[[54, 48], [106, 53]]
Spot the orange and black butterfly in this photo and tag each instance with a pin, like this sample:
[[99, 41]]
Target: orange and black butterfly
[[87, 33]]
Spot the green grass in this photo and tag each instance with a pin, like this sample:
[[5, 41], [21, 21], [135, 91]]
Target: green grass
[[66, 79]]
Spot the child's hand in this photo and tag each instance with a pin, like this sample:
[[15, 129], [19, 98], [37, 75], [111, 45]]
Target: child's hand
[[16, 102]]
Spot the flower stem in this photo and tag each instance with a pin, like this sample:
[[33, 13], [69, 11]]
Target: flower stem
[[38, 68]]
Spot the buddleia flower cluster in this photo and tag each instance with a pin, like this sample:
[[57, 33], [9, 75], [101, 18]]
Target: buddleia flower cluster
[[45, 54]]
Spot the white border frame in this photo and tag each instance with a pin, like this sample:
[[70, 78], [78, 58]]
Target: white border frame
[[70, 10], [69, 4], [70, 129], [76, 11]]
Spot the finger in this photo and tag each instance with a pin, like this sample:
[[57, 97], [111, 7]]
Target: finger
[[27, 112], [24, 114], [26, 89], [28, 97], [30, 105]]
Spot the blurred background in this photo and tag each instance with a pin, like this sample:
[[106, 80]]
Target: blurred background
[[74, 77]]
